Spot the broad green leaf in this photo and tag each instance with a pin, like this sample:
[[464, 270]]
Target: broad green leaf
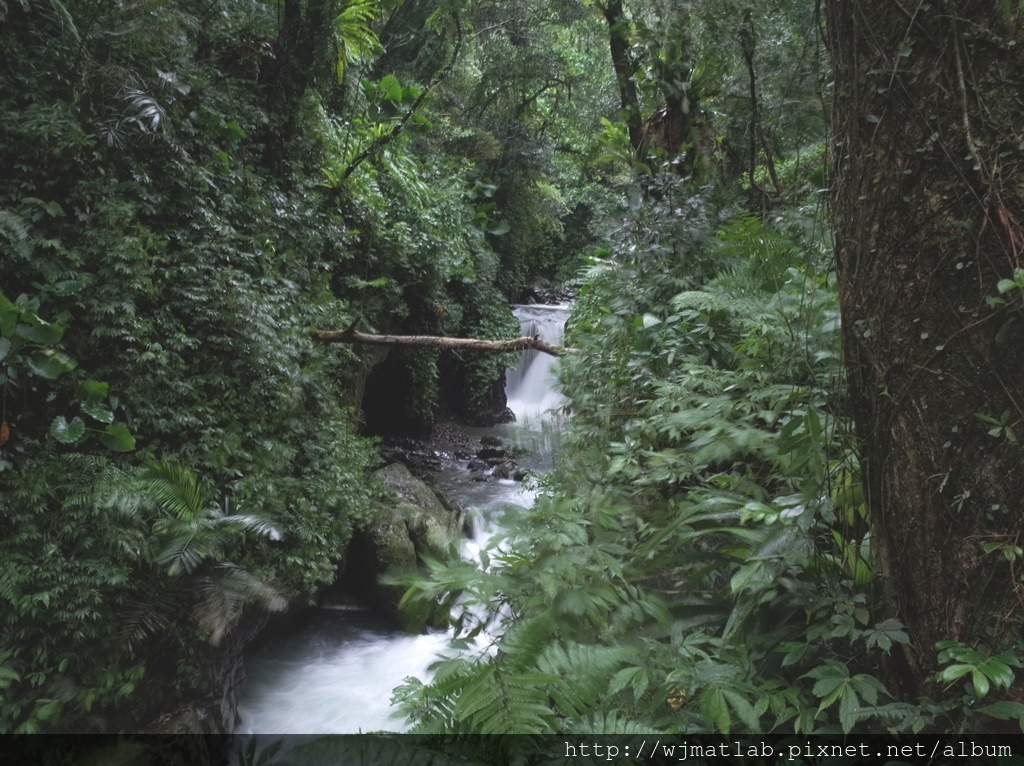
[[1005, 711], [118, 438], [93, 390], [40, 331], [387, 86], [848, 708], [98, 411], [49, 363], [980, 681], [998, 671], [5, 348], [743, 709], [954, 672], [1005, 285], [8, 321], [623, 678], [65, 432], [794, 653], [830, 698], [714, 709]]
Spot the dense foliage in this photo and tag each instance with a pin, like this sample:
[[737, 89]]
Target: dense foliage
[[189, 188], [701, 560]]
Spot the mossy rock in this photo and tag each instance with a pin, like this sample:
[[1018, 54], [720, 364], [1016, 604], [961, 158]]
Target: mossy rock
[[432, 529]]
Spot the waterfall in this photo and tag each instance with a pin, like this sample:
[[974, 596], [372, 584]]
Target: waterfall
[[530, 387], [336, 676]]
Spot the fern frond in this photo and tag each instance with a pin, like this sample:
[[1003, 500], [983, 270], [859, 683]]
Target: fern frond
[[14, 228], [354, 37], [611, 722], [150, 613], [582, 671], [496, 702], [381, 750]]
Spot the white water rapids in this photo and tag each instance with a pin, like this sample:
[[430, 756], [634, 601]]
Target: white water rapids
[[337, 674]]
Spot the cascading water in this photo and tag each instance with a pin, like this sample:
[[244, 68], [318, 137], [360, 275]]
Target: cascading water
[[336, 676], [529, 387]]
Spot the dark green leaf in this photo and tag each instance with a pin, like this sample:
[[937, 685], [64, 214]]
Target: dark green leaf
[[118, 438], [8, 321], [40, 331], [93, 390], [98, 411], [49, 363], [67, 433]]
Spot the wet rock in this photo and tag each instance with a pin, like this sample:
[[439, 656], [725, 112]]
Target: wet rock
[[505, 416], [504, 470], [489, 453], [489, 440], [416, 524], [549, 296], [215, 713], [412, 453], [477, 465]]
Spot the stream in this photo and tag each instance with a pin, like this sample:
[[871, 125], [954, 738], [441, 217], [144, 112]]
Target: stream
[[336, 675]]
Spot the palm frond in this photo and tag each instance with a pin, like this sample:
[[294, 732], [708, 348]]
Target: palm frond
[[174, 488], [250, 523], [184, 553], [225, 596], [150, 613]]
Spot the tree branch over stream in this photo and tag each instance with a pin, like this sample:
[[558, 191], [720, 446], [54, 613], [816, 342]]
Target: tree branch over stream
[[350, 335]]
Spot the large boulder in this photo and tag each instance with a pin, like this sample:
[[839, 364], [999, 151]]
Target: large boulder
[[414, 525], [432, 528]]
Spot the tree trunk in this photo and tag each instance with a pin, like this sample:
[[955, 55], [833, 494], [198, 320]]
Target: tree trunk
[[625, 71], [305, 30], [927, 213], [435, 341]]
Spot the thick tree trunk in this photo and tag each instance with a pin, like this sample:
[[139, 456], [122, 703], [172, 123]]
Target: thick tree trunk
[[927, 215], [305, 32], [435, 341], [625, 71]]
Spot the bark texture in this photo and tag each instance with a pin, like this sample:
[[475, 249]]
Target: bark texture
[[927, 156], [436, 341], [625, 71]]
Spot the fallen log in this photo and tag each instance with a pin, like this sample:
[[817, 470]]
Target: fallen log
[[436, 341]]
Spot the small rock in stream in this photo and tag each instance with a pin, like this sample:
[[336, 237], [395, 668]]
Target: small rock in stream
[[489, 453], [504, 470]]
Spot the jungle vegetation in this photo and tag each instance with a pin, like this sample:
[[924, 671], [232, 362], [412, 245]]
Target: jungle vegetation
[[789, 496]]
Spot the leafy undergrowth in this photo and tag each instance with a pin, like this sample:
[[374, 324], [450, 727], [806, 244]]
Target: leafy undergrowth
[[699, 560]]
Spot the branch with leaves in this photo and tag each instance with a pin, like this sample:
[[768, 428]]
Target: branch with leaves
[[380, 142]]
